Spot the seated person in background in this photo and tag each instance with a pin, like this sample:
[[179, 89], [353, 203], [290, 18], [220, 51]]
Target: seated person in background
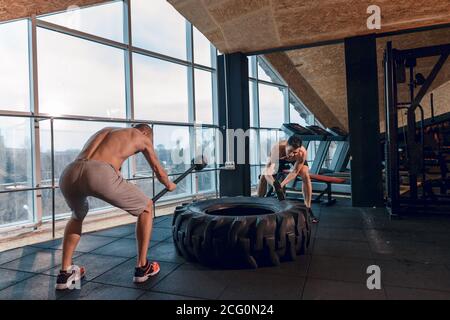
[[282, 153]]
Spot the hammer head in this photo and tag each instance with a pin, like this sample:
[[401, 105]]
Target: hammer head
[[199, 163]]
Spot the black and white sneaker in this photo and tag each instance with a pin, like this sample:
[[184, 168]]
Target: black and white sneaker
[[141, 274], [67, 279]]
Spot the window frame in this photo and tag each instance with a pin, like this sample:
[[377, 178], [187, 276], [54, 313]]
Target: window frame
[[127, 46]]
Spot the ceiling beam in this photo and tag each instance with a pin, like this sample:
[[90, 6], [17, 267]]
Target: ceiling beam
[[301, 87]]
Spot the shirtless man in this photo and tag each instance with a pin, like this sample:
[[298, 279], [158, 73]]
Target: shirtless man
[[96, 173], [283, 153]]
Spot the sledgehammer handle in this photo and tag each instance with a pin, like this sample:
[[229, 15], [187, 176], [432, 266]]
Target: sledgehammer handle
[[178, 179]]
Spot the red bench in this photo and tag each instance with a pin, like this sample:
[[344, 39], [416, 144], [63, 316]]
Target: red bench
[[328, 180]]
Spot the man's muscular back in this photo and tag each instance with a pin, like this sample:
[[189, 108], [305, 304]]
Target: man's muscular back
[[114, 145]]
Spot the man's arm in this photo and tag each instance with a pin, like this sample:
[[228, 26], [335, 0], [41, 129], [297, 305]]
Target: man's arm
[[294, 173], [153, 161], [271, 165]]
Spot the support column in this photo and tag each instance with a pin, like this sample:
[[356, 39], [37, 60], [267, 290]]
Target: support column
[[234, 113], [363, 120]]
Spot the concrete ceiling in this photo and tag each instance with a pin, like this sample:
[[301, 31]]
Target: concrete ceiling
[[10, 10], [252, 25]]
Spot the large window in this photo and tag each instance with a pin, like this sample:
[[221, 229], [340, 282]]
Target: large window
[[88, 77], [14, 66], [203, 96], [272, 103], [80, 77], [271, 106], [158, 27], [160, 90], [77, 132], [203, 51], [104, 20], [15, 170]]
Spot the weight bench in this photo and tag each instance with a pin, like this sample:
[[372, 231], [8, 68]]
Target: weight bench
[[328, 180]]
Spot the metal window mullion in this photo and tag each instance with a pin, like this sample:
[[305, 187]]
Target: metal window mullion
[[275, 72], [153, 174], [257, 116], [215, 102], [34, 100], [129, 78], [286, 105], [191, 95], [52, 143], [80, 34], [191, 72]]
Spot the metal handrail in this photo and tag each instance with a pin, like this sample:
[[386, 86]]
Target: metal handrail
[[53, 187], [43, 117]]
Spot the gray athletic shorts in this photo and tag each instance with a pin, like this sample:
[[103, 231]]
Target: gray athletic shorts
[[92, 178]]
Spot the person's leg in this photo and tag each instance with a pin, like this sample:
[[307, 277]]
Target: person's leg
[[72, 234], [143, 233], [306, 186], [307, 191]]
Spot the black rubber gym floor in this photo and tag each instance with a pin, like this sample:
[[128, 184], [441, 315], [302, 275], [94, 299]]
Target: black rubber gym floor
[[413, 254]]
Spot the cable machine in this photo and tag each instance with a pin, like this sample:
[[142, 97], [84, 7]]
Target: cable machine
[[417, 194]]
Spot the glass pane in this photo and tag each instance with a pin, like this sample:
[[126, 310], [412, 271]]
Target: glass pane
[[330, 154], [15, 153], [255, 172], [16, 207], [146, 187], [104, 20], [254, 158], [298, 112], [160, 90], [78, 133], [143, 169], [265, 72], [80, 77], [271, 106], [205, 181], [15, 170], [203, 97], [158, 27], [172, 145], [312, 150], [202, 49], [61, 207], [268, 138], [296, 116], [184, 188], [14, 67], [205, 144]]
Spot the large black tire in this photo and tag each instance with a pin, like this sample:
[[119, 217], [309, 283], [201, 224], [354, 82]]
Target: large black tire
[[241, 232]]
